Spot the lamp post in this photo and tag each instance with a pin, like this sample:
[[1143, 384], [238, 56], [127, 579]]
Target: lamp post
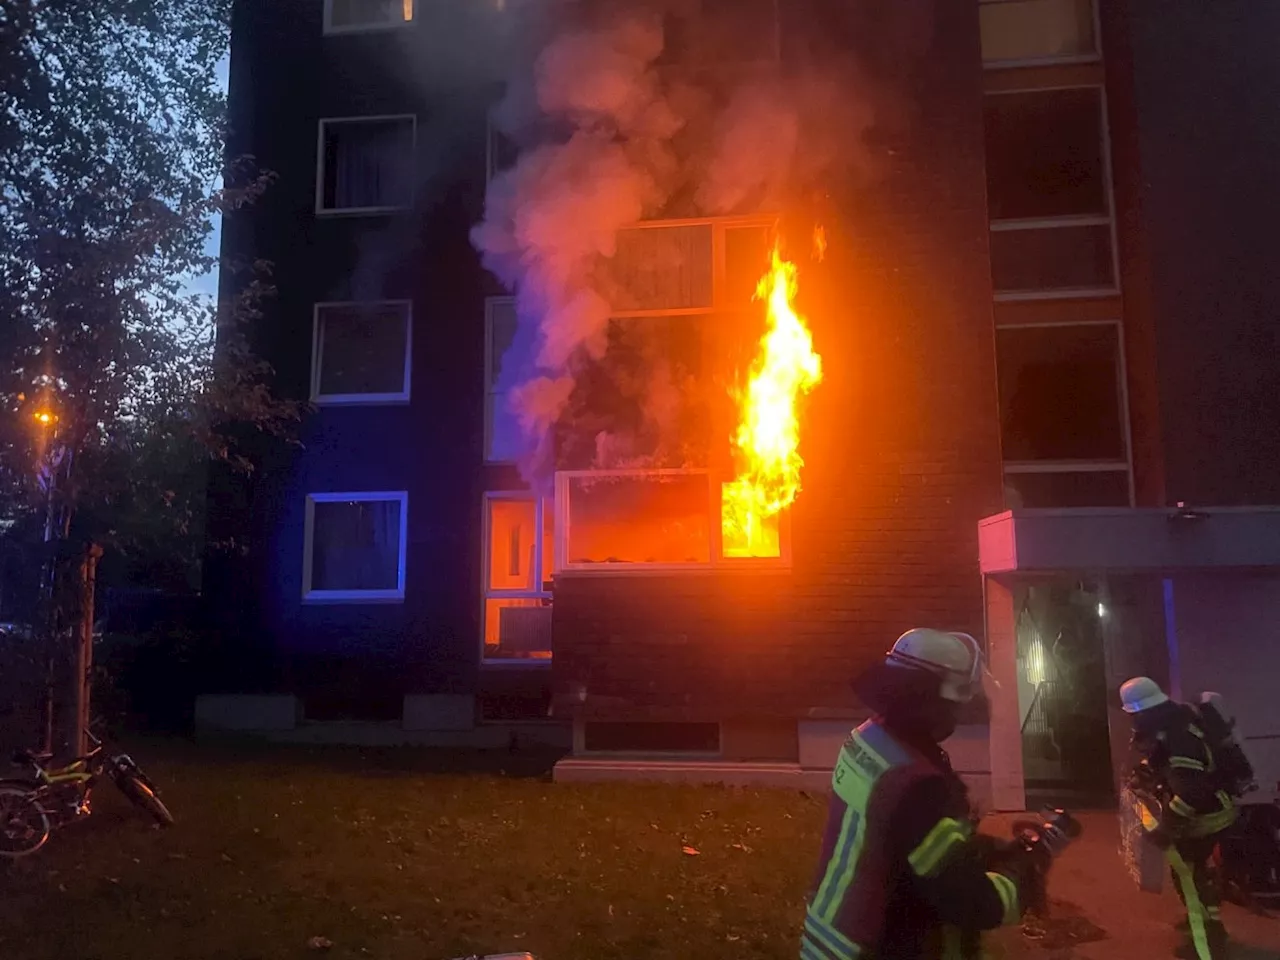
[[51, 457]]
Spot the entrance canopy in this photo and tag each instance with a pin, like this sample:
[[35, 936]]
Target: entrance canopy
[[1129, 540]]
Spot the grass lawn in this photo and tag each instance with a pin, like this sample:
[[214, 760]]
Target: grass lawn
[[370, 851], [387, 857]]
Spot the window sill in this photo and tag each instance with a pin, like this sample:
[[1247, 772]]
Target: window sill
[[488, 663], [339, 212], [1066, 293], [1067, 61], [393, 26], [361, 399], [732, 567], [330, 597]]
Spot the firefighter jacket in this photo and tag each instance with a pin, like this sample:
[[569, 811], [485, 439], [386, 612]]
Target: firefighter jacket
[[1196, 802], [900, 876]]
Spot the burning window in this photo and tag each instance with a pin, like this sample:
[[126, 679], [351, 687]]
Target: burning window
[[1018, 31], [344, 16], [360, 352], [692, 517], [354, 547], [519, 557], [366, 164]]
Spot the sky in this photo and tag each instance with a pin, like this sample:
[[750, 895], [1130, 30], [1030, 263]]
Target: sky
[[208, 284]]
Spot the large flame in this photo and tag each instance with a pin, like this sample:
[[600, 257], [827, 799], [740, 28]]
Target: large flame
[[767, 440]]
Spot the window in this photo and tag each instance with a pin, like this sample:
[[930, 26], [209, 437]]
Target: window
[[1037, 31], [501, 152], [352, 16], [510, 355], [518, 556], [1062, 413], [619, 520], [361, 352], [354, 547], [1048, 193], [365, 164]]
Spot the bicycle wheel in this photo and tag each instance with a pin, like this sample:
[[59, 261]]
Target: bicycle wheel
[[143, 797], [24, 827]]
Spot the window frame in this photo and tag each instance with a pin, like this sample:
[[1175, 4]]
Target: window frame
[[1108, 218], [1121, 465], [1069, 59], [314, 596], [322, 124], [718, 562], [399, 397], [491, 396], [329, 30], [487, 593]]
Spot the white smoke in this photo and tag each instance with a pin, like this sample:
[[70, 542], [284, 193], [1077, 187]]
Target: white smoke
[[612, 130]]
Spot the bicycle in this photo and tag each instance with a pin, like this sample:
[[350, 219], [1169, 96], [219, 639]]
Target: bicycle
[[30, 809]]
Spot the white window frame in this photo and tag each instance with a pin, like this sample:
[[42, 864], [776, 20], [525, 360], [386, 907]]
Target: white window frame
[[1124, 464], [317, 356], [537, 593], [395, 595], [324, 122], [380, 27], [1107, 218], [1094, 57], [718, 562]]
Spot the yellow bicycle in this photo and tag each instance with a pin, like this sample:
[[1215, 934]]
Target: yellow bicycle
[[30, 809]]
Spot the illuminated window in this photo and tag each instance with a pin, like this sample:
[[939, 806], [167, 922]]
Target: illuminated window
[[352, 16], [1039, 31], [619, 520], [361, 352], [518, 558], [365, 164], [354, 547], [1062, 415]]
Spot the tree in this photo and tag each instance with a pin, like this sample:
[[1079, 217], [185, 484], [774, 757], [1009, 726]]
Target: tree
[[111, 146]]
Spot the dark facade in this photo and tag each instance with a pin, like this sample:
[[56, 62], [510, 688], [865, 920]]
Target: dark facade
[[1005, 315]]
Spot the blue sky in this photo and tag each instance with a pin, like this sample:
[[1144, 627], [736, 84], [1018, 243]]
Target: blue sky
[[208, 284]]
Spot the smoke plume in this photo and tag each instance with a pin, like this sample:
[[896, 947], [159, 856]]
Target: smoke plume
[[615, 123]]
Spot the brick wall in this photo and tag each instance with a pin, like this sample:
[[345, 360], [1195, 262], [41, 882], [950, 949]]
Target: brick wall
[[901, 440]]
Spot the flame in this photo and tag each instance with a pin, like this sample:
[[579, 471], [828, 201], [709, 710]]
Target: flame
[[767, 440]]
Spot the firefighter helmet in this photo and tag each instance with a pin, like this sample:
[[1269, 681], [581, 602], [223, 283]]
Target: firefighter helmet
[[1141, 693], [956, 658]]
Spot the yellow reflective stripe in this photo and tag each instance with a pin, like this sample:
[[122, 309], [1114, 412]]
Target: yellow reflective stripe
[[1181, 807], [1186, 763], [933, 849], [1008, 892], [1195, 731], [830, 939], [1196, 913]]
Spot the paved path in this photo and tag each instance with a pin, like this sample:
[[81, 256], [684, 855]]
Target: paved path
[[1137, 925]]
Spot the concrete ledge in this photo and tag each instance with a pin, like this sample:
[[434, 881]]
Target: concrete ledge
[[497, 736], [247, 713], [438, 712], [788, 775]]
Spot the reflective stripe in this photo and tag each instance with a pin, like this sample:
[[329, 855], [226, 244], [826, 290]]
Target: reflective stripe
[[829, 939], [840, 870], [946, 835], [1186, 763], [1008, 892], [1181, 807], [810, 950], [1196, 913], [858, 768]]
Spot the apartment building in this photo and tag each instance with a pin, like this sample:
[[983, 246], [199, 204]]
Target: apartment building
[[1047, 414]]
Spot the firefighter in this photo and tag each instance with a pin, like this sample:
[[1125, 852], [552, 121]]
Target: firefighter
[[902, 874], [1189, 804]]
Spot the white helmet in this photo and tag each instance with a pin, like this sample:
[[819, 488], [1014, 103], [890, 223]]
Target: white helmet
[[1141, 693], [954, 657]]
